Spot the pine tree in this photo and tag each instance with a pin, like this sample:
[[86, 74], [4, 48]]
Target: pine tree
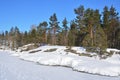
[[61, 38], [95, 36], [80, 17], [49, 40], [18, 38], [54, 27], [81, 28], [64, 32], [89, 21], [3, 38], [99, 32], [6, 38], [72, 34], [11, 38], [34, 36], [106, 15], [114, 24], [42, 31], [25, 38], [111, 25]]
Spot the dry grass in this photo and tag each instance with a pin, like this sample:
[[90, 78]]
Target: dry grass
[[50, 50], [34, 51]]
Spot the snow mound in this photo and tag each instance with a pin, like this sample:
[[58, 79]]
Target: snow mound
[[108, 67], [113, 50], [115, 59]]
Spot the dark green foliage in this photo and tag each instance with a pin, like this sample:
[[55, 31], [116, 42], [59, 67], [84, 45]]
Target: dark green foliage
[[42, 31], [14, 38], [72, 34], [111, 26], [54, 28], [91, 33], [25, 38], [64, 33], [100, 39]]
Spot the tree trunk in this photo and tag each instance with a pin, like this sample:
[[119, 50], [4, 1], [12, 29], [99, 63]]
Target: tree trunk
[[91, 34]]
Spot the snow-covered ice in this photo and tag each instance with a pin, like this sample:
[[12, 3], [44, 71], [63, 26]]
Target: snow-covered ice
[[12, 68]]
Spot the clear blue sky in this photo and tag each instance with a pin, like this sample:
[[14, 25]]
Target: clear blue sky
[[24, 13]]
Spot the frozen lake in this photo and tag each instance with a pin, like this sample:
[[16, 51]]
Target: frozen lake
[[12, 68]]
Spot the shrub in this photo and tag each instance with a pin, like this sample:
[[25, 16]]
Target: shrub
[[50, 50], [84, 54], [70, 50], [34, 51]]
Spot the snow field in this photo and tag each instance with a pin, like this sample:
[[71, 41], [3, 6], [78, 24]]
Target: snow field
[[12, 68], [108, 67]]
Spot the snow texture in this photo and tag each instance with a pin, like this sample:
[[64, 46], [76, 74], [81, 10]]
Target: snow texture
[[93, 65], [12, 68]]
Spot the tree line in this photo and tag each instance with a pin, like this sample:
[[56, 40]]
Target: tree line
[[90, 28]]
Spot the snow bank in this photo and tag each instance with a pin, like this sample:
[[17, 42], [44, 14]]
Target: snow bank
[[114, 50], [108, 67], [79, 49], [115, 59]]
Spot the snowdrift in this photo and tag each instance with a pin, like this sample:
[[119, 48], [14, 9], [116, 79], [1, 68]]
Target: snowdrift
[[44, 55]]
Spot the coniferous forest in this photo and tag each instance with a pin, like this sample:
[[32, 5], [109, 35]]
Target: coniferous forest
[[89, 28]]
